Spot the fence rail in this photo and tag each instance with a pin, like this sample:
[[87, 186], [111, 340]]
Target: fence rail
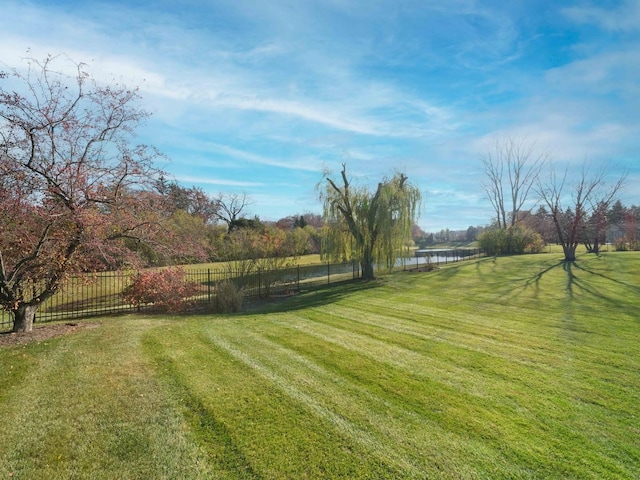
[[101, 293]]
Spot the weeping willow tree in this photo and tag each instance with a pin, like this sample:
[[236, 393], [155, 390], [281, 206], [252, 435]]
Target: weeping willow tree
[[368, 227]]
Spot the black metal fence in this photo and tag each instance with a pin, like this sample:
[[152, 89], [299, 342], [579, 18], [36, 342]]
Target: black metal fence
[[102, 293]]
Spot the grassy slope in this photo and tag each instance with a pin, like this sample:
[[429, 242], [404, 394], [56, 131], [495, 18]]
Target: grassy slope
[[519, 367]]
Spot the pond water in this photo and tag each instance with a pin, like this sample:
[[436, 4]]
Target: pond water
[[436, 255]]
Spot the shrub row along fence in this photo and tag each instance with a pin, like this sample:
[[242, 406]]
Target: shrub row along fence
[[102, 293]]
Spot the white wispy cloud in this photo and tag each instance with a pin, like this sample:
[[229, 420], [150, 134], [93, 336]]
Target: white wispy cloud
[[222, 182], [295, 164], [622, 17], [355, 109], [259, 95]]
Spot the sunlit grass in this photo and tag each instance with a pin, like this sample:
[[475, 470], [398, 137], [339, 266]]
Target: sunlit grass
[[230, 265], [514, 367], [88, 406]]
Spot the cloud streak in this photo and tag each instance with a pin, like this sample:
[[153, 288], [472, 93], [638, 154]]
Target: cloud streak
[[624, 18], [261, 96]]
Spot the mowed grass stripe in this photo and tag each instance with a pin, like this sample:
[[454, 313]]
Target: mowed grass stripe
[[414, 394], [90, 409], [498, 349], [384, 421], [459, 368], [487, 336], [420, 331], [572, 366], [473, 423], [269, 421], [288, 382], [395, 427], [437, 460]]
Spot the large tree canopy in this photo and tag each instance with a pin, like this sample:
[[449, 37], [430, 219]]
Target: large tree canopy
[[369, 227], [70, 180]]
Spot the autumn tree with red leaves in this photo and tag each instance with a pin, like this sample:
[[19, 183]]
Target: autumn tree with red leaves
[[75, 191], [167, 289]]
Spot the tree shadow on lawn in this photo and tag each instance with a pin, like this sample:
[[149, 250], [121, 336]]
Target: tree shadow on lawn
[[493, 265], [312, 298], [536, 279], [571, 278], [598, 291], [635, 289], [576, 282], [450, 270], [491, 272], [323, 295], [568, 267], [511, 286]]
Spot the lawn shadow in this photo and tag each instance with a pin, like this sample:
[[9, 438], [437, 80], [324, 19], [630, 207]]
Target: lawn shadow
[[508, 286], [634, 288], [576, 282], [599, 292], [491, 263], [450, 270], [537, 278], [314, 297], [568, 267]]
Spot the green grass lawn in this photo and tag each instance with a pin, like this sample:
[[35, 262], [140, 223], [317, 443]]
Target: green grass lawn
[[303, 260], [515, 367]]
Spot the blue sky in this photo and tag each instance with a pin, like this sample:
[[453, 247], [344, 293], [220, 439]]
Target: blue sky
[[259, 97]]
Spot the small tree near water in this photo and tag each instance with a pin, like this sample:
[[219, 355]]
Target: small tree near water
[[512, 240], [369, 227]]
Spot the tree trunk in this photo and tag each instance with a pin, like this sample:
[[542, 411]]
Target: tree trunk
[[367, 270], [23, 318], [367, 265], [569, 252]]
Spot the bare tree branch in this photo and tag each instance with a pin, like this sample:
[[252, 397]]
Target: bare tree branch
[[510, 173]]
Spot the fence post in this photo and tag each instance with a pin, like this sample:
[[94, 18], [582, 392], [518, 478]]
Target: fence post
[[209, 286], [298, 284]]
